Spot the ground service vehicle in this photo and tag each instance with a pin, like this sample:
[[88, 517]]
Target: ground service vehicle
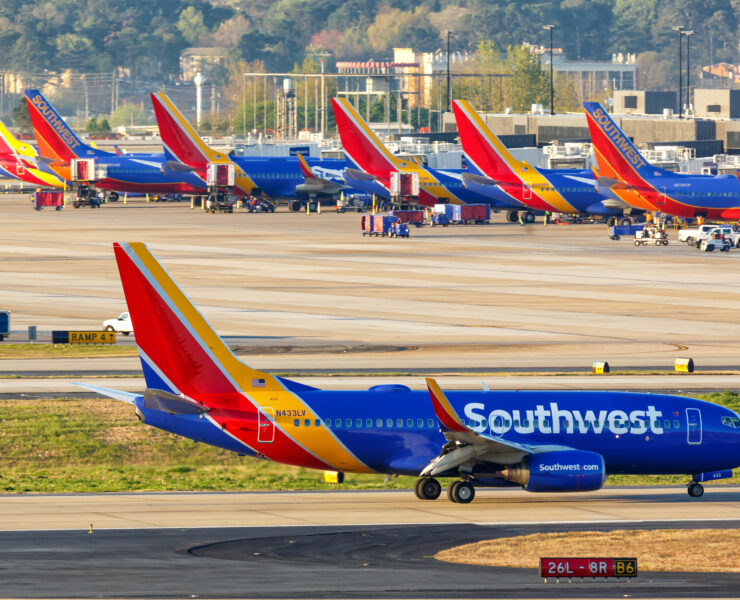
[[650, 234], [726, 232], [122, 324], [691, 235], [715, 241], [540, 441]]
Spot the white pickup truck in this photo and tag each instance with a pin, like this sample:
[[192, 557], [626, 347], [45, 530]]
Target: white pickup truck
[[120, 325], [694, 237]]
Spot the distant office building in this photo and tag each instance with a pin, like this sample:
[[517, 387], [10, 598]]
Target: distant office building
[[645, 102], [717, 104], [592, 77], [205, 60]]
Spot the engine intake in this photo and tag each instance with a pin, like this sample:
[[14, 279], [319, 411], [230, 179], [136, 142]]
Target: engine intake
[[559, 471]]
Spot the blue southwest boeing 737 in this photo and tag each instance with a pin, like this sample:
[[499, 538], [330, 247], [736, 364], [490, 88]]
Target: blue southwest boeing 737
[[276, 177], [568, 191], [365, 149], [627, 174], [556, 441], [58, 146]]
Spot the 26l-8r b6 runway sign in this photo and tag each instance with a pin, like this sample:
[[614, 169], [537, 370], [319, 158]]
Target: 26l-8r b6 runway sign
[[588, 567]]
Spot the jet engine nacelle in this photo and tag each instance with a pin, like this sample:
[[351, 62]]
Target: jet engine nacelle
[[559, 471]]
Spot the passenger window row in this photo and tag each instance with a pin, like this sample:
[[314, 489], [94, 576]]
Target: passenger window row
[[357, 423]]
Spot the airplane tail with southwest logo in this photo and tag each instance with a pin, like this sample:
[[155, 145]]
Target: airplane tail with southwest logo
[[360, 143], [615, 153], [482, 147], [54, 137]]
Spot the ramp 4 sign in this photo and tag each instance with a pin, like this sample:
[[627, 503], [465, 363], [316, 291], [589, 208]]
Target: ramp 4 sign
[[588, 567], [83, 337]]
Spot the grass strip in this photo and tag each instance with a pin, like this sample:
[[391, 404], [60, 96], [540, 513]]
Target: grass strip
[[42, 350]]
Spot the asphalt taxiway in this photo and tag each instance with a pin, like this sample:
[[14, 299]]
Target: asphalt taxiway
[[327, 544]]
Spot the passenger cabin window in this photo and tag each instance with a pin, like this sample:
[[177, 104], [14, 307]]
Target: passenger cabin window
[[317, 422], [297, 423], [430, 423], [348, 423], [358, 423], [389, 423], [307, 422], [410, 423], [399, 423], [369, 423], [676, 424]]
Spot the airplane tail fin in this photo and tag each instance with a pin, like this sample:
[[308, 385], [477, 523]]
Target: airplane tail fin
[[54, 137], [9, 144], [481, 146], [616, 155], [180, 352], [180, 138], [360, 143]]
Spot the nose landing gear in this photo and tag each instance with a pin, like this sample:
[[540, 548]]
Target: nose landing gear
[[695, 489]]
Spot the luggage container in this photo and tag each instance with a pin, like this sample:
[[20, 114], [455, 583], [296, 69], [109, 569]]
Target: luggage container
[[48, 199], [382, 225], [414, 217], [617, 231]]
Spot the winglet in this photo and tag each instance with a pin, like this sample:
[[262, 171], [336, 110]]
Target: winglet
[[446, 414], [305, 169]]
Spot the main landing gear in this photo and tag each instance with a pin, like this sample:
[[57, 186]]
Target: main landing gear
[[428, 488], [695, 489]]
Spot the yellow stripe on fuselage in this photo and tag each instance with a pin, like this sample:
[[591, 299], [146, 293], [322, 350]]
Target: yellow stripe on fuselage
[[319, 441]]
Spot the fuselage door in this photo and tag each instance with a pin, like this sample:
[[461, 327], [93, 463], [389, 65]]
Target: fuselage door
[[526, 192], [266, 425], [693, 420]]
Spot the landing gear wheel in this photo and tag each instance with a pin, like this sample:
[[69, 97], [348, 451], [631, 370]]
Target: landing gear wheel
[[295, 206], [626, 222], [696, 490], [528, 217], [462, 493], [452, 490], [427, 488], [512, 216]]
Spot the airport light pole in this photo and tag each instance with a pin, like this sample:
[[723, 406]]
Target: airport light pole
[[552, 89], [688, 33], [679, 29], [449, 100]]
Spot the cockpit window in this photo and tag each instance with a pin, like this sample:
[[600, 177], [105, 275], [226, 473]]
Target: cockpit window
[[733, 422]]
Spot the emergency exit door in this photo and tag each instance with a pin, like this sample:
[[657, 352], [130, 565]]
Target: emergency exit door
[[526, 192], [266, 426], [693, 419]]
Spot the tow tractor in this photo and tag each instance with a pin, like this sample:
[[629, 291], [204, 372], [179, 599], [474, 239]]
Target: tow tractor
[[220, 182], [650, 234], [257, 204], [85, 173]]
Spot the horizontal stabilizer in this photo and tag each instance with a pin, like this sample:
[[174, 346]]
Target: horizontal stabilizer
[[172, 403], [127, 397], [359, 175], [478, 179], [178, 167]]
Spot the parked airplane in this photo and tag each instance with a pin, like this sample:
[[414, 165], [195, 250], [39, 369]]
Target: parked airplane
[[276, 177], [556, 441], [134, 172], [626, 172], [18, 160], [570, 191], [363, 148]]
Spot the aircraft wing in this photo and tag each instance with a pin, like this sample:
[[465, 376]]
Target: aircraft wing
[[316, 185], [466, 446], [608, 182], [358, 175]]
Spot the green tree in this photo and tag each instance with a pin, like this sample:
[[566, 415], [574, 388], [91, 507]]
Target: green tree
[[191, 25], [92, 125], [529, 82], [21, 116]]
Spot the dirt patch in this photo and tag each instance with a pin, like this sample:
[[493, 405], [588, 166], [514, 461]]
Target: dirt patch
[[712, 550]]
